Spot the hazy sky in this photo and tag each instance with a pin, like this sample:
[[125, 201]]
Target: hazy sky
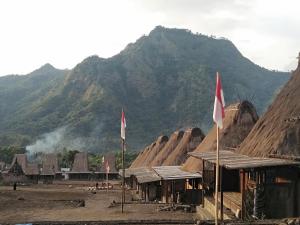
[[64, 32]]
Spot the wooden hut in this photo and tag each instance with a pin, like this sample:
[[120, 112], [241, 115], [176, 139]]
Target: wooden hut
[[50, 169], [113, 173], [191, 139], [239, 120], [80, 169], [21, 170], [277, 135]]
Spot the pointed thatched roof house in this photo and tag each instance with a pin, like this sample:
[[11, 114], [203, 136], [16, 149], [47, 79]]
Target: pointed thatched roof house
[[21, 171], [238, 122], [49, 164], [111, 159], [277, 132], [21, 159], [81, 163], [168, 148], [190, 140]]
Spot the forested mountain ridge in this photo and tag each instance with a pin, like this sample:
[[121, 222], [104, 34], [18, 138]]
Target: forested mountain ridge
[[164, 81]]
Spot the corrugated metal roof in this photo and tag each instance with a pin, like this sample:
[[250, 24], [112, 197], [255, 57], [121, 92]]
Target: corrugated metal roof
[[174, 173], [148, 174], [142, 174], [231, 160]]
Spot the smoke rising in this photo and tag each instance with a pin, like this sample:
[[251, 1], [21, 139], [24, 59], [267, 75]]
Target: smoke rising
[[55, 141]]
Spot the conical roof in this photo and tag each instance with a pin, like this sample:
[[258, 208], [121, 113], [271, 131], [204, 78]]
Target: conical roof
[[238, 122], [191, 139], [150, 152], [159, 144], [277, 132], [141, 156], [168, 148]]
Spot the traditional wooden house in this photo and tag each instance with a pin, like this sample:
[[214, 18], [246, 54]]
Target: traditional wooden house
[[175, 185], [238, 122], [252, 187], [145, 182], [16, 171], [20, 168], [50, 169], [80, 169], [109, 159], [276, 135]]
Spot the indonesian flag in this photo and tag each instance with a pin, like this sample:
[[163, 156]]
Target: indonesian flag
[[107, 167], [219, 105], [123, 125]]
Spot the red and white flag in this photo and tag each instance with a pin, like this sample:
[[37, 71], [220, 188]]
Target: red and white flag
[[219, 105], [123, 125], [107, 167]]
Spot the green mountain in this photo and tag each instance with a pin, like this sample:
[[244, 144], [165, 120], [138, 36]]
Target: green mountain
[[164, 81]]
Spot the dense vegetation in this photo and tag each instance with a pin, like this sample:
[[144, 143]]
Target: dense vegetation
[[164, 81]]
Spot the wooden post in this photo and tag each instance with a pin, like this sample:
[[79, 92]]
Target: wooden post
[[123, 175], [217, 180], [221, 190], [203, 168], [243, 195]]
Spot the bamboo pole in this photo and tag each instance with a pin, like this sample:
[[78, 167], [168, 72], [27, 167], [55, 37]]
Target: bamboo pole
[[217, 180]]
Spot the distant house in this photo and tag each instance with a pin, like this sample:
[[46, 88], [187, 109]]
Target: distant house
[[17, 170], [50, 169], [110, 160], [80, 169]]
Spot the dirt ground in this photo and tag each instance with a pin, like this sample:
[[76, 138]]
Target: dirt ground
[[60, 202]]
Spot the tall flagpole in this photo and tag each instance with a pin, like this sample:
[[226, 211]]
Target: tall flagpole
[[217, 179], [123, 175]]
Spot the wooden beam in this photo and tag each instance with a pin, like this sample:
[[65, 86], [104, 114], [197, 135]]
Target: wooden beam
[[243, 195]]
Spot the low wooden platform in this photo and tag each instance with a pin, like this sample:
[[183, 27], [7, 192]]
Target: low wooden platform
[[233, 201]]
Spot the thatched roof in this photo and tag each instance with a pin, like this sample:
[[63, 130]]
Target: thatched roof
[[32, 169], [190, 140], [49, 164], [27, 168], [277, 132], [21, 159], [238, 122], [110, 157], [81, 163], [149, 153], [158, 146], [140, 156], [167, 149]]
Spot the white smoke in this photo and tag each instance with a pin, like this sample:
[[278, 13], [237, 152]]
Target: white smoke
[[55, 141]]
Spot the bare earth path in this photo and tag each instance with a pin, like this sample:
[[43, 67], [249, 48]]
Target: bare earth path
[[57, 203]]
